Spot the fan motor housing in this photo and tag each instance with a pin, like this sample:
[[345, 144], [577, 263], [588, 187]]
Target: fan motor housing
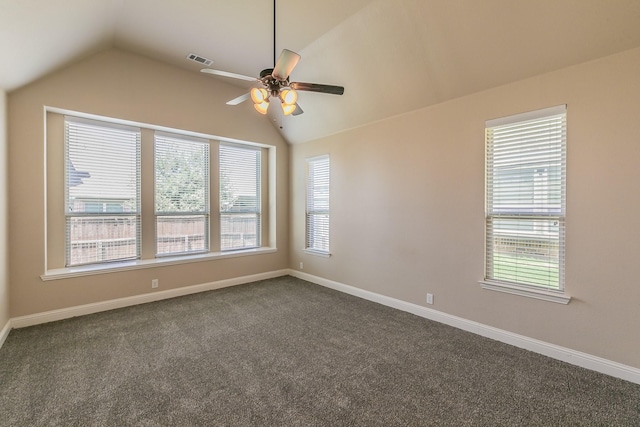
[[266, 72]]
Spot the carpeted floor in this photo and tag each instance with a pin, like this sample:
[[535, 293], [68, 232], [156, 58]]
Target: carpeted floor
[[284, 352]]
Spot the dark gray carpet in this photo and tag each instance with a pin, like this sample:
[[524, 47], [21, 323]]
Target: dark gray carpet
[[285, 352]]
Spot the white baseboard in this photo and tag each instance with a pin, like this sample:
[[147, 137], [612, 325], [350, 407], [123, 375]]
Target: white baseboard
[[81, 310], [564, 354], [4, 333]]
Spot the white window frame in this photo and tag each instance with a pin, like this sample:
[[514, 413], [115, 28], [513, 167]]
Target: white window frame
[[239, 209], [54, 266], [178, 140], [317, 242], [507, 209], [76, 125]]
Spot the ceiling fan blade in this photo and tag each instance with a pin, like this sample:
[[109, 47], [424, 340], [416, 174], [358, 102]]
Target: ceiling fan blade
[[315, 87], [238, 100], [297, 111], [285, 64], [228, 74]]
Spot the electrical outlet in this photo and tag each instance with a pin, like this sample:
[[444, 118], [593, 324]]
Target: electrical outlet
[[154, 283], [301, 266], [429, 298]]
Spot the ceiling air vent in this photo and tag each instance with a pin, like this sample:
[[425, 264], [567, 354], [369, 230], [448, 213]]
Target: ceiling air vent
[[199, 59]]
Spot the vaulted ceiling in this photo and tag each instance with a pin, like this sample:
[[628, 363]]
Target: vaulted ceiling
[[392, 56]]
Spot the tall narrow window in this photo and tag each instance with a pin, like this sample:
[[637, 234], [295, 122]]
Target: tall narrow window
[[240, 204], [317, 204], [525, 199], [102, 192], [181, 195]]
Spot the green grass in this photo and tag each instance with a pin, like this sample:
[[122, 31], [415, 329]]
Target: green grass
[[526, 270]]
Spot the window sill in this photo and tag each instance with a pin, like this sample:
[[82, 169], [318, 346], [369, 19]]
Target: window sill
[[317, 253], [89, 270], [525, 291]]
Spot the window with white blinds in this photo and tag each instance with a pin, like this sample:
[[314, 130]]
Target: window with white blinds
[[102, 192], [525, 199], [317, 204], [181, 194], [240, 201]]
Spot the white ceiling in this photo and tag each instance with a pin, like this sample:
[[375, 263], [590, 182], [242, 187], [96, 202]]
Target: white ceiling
[[392, 56]]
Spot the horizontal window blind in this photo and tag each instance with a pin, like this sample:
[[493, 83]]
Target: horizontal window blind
[[102, 192], [240, 201], [181, 195], [525, 199], [317, 204]]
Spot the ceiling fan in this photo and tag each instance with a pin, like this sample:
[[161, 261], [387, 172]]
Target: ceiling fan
[[274, 82]]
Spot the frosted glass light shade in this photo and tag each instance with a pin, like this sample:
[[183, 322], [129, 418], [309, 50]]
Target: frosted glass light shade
[[288, 109], [259, 95], [261, 107], [289, 96]]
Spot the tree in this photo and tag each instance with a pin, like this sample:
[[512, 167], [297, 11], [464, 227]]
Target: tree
[[181, 178]]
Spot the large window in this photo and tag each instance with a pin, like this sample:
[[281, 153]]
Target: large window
[[525, 199], [102, 192], [240, 202], [123, 195], [317, 205], [181, 194]]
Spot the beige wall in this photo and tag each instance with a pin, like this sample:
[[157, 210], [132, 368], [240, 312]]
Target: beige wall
[[407, 196], [129, 87], [407, 208], [4, 255]]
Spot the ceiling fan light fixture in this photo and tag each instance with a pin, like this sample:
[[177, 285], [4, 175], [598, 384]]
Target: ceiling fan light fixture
[[289, 97], [275, 81], [261, 107], [259, 96], [288, 109]]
